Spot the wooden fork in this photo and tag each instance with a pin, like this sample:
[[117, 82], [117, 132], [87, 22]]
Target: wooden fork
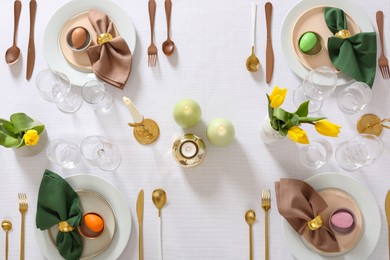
[[266, 205], [152, 50], [382, 61], [23, 207]]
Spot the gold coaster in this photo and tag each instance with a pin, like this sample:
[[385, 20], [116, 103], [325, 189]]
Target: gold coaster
[[146, 132], [369, 124]]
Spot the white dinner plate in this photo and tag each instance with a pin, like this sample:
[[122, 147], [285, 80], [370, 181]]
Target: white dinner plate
[[369, 209], [119, 206], [300, 8], [51, 48]]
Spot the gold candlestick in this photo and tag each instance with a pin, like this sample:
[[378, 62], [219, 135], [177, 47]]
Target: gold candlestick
[[371, 124], [145, 132]]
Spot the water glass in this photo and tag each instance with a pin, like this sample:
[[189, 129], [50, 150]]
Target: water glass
[[354, 97], [317, 85], [361, 150], [96, 95], [55, 87], [63, 153], [100, 152], [315, 154]]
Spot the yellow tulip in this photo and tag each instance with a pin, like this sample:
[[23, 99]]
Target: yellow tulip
[[277, 97], [327, 128], [298, 135], [31, 137]]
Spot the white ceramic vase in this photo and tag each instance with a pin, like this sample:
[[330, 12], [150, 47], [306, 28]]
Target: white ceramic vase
[[268, 134], [29, 151]]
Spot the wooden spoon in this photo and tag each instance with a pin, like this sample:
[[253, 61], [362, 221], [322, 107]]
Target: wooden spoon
[[168, 46], [13, 53]]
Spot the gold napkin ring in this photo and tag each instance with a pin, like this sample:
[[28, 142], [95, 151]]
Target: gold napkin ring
[[343, 34], [103, 38], [64, 226], [315, 223]]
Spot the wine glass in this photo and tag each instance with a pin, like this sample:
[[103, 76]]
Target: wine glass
[[96, 95], [55, 87], [100, 152], [359, 151], [354, 98], [63, 153], [317, 85], [316, 153]]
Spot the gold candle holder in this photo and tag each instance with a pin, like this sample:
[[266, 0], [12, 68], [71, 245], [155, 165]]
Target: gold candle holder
[[189, 150], [145, 132], [371, 124]]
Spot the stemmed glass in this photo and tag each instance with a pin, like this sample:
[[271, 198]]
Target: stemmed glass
[[317, 85], [100, 152], [361, 150], [63, 153], [97, 96], [55, 87]]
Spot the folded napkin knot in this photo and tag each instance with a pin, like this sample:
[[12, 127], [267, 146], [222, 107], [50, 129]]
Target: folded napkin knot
[[64, 227], [343, 34], [104, 37], [315, 223]]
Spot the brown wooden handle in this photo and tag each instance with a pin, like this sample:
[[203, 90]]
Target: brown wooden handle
[[268, 15], [168, 10], [152, 15], [33, 13], [379, 22], [17, 11]]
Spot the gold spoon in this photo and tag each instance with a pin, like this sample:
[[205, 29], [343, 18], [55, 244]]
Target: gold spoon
[[159, 198], [253, 63], [13, 53], [250, 218], [168, 46], [7, 226]]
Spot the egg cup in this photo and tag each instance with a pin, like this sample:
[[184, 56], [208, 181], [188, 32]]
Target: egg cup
[[85, 231], [342, 230], [318, 47], [87, 41]]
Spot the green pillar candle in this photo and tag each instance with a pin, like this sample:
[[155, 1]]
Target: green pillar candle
[[220, 132], [187, 113]]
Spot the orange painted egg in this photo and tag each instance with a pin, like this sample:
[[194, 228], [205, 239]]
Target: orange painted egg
[[79, 37], [94, 222]]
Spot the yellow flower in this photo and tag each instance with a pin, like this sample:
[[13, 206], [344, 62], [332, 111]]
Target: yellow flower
[[298, 135], [277, 97], [327, 128], [31, 137]]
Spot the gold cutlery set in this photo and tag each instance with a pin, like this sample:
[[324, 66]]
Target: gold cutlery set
[[159, 198], [387, 209], [250, 218], [7, 225]]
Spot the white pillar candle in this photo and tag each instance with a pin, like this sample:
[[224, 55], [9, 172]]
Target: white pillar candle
[[188, 149], [137, 117]]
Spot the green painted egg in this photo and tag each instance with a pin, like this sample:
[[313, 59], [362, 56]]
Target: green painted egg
[[307, 41]]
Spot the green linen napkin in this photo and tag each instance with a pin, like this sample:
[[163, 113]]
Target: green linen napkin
[[57, 202], [355, 55]]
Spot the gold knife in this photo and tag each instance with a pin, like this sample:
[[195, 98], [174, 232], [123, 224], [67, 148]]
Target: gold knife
[[269, 62], [31, 47], [140, 217], [387, 209]]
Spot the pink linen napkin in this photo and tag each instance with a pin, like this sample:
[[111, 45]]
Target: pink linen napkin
[[111, 61], [299, 203]]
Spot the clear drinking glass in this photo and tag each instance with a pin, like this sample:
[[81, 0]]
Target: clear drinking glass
[[316, 153], [317, 85], [55, 87], [96, 95], [100, 152], [354, 97], [361, 150], [63, 153]]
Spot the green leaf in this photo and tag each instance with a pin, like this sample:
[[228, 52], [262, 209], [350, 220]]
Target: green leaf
[[310, 119], [8, 141], [6, 127], [281, 114], [303, 109], [270, 109], [22, 123]]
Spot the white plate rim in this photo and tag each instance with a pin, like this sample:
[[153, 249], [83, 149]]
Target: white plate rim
[[296, 11], [51, 49], [368, 206], [120, 208]]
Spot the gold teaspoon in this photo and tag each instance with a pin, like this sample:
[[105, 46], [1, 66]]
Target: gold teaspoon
[[7, 226], [250, 218], [253, 63], [159, 198]]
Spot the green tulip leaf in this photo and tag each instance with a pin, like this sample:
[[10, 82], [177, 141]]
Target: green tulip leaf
[[22, 123], [303, 109]]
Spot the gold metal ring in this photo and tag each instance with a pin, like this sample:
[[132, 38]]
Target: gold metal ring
[[64, 226], [315, 223], [343, 34], [103, 38]]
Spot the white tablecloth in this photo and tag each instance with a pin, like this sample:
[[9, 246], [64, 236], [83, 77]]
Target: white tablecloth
[[204, 216]]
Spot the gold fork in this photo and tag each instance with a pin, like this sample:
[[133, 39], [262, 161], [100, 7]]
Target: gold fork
[[382, 61], [266, 204], [23, 207], [152, 50]]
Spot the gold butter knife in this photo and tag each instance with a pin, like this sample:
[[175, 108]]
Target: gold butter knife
[[269, 62], [387, 209], [140, 217], [31, 46]]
